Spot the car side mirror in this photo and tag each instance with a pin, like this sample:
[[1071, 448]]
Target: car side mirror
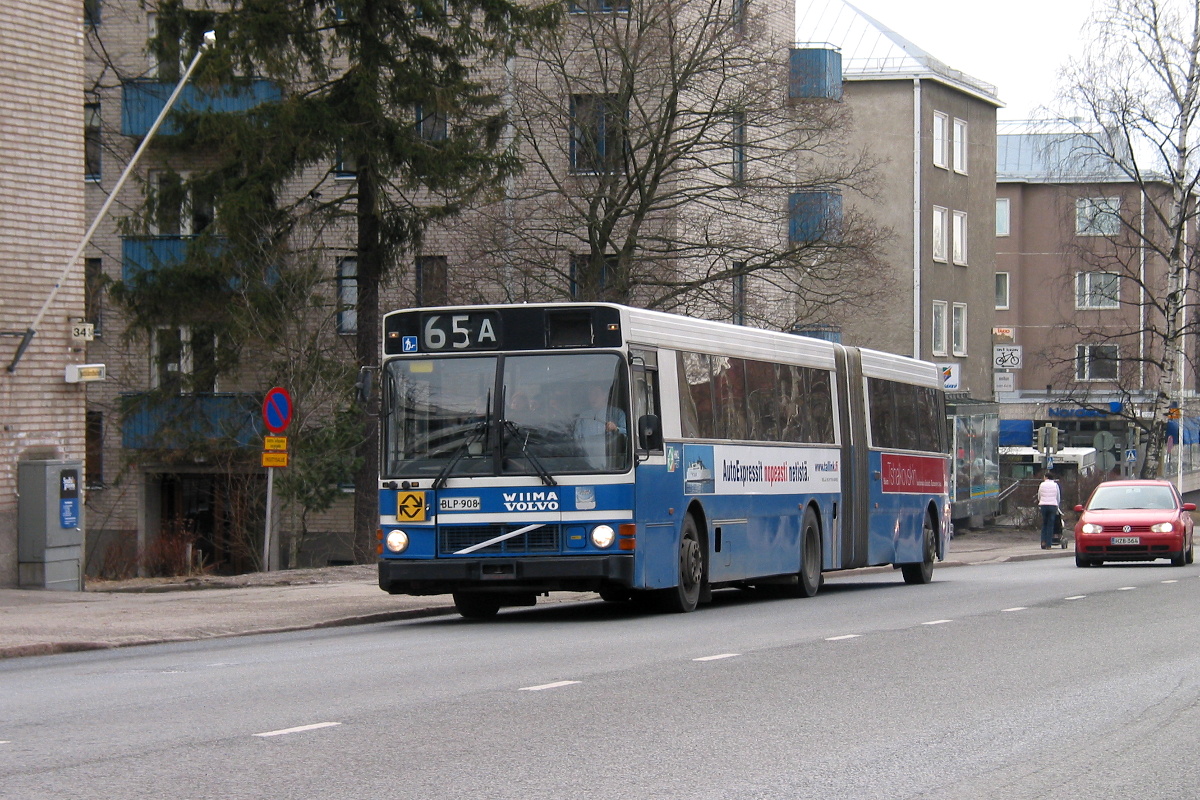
[[1189, 506], [1079, 508], [650, 432]]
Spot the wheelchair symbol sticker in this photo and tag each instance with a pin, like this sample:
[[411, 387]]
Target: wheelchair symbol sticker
[[408, 344]]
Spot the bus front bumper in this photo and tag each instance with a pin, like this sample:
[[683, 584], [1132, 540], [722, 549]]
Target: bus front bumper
[[550, 574]]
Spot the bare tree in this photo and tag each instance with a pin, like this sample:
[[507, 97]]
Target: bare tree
[[1138, 86], [666, 166]]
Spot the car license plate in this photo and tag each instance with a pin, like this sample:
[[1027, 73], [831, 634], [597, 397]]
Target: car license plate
[[1126, 540], [458, 504]]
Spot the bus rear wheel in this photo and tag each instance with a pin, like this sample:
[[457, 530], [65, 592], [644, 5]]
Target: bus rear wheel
[[922, 571], [684, 597], [476, 605]]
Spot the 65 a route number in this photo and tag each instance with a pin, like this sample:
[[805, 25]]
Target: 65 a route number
[[474, 331]]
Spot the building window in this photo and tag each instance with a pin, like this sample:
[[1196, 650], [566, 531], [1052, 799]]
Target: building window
[[433, 286], [185, 360], [1002, 218], [347, 295], [739, 15], [738, 147], [958, 329], [1001, 291], [345, 165], [596, 133], [597, 6], [178, 209], [91, 141], [93, 294], [1098, 216], [1096, 362], [580, 277], [937, 329], [1097, 290], [939, 233], [940, 124], [960, 146], [739, 293], [93, 435], [432, 127], [91, 13], [960, 238]]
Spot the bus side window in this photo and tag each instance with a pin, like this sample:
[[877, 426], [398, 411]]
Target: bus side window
[[695, 396], [883, 421], [908, 420], [729, 381], [819, 404], [763, 401]]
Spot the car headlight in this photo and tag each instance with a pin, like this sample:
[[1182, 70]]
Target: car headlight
[[397, 541], [1090, 527], [1162, 527], [603, 536]]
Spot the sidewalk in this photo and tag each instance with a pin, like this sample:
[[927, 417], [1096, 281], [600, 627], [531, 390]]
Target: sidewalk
[[123, 613]]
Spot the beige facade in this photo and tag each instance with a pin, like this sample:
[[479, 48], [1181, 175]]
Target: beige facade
[[41, 223]]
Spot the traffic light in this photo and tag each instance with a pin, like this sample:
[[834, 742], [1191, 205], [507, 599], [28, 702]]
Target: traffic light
[[1047, 439]]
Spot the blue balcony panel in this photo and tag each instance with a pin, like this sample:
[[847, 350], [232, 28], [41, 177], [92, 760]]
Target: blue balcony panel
[[142, 253], [174, 422], [814, 217], [815, 73], [142, 101]]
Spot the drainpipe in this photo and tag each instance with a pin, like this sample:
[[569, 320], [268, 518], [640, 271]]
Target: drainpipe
[[917, 227]]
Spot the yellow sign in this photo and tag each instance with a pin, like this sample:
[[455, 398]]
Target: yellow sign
[[274, 459], [410, 506], [275, 443], [1174, 413]]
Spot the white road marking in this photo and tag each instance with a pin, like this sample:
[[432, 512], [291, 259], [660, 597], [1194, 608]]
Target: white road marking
[[300, 729], [937, 622], [1171, 581], [1126, 588], [1016, 608], [717, 657], [5, 742], [1075, 597], [554, 685], [841, 638]]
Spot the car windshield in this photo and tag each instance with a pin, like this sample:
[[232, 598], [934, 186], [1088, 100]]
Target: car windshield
[[506, 415], [1108, 498]]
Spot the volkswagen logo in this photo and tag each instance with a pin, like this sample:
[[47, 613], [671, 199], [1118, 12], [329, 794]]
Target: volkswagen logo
[[1126, 529]]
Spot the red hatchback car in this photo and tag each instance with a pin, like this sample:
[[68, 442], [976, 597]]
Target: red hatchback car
[[1134, 521]]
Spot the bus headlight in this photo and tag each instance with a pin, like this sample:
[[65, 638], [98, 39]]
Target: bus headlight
[[603, 536], [397, 541]]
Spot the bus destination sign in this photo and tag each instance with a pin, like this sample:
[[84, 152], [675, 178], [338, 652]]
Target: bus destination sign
[[475, 330]]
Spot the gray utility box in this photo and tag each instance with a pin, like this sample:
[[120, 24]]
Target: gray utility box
[[50, 525]]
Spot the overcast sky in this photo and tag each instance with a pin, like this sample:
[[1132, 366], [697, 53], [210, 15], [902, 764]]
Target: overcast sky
[[1017, 46]]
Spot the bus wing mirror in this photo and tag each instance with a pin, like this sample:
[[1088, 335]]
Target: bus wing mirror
[[649, 432]]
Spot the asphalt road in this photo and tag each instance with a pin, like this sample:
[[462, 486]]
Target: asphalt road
[[1018, 680]]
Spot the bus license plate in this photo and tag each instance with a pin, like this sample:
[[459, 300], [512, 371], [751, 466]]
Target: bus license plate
[[458, 504], [1126, 540]]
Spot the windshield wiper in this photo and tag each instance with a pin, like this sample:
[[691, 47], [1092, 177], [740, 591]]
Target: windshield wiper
[[535, 462], [481, 431]]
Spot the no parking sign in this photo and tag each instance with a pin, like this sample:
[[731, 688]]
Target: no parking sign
[[277, 409]]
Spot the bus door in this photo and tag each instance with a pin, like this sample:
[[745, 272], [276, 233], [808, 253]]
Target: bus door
[[854, 508], [656, 489]]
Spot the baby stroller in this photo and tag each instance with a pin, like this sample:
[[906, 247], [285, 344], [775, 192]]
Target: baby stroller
[[1061, 535]]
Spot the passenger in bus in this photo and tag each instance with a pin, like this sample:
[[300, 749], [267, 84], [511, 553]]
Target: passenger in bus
[[596, 424]]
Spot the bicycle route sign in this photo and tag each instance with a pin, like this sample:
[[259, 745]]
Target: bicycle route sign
[[1006, 356]]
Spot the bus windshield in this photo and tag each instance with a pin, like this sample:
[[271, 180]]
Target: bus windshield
[[506, 415]]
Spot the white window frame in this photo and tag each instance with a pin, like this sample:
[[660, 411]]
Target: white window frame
[[187, 208], [347, 295], [960, 146], [1097, 216], [941, 136], [937, 328], [1003, 291], [958, 329], [1084, 359], [185, 367], [939, 233], [1003, 217], [958, 229], [1091, 291]]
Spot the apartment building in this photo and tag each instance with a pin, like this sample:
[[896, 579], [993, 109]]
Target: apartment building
[[42, 157], [1080, 296]]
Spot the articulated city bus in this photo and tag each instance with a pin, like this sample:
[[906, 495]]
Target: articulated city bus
[[647, 456]]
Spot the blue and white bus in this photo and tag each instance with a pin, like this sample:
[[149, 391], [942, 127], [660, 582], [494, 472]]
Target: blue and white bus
[[647, 456]]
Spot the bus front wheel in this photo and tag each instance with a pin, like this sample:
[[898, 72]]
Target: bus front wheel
[[684, 597], [476, 605], [922, 571]]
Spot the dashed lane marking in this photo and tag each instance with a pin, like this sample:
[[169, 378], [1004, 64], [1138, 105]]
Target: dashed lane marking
[[554, 685], [717, 657], [299, 729], [1126, 588], [1075, 597], [937, 622], [843, 637], [1171, 581], [1016, 608]]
